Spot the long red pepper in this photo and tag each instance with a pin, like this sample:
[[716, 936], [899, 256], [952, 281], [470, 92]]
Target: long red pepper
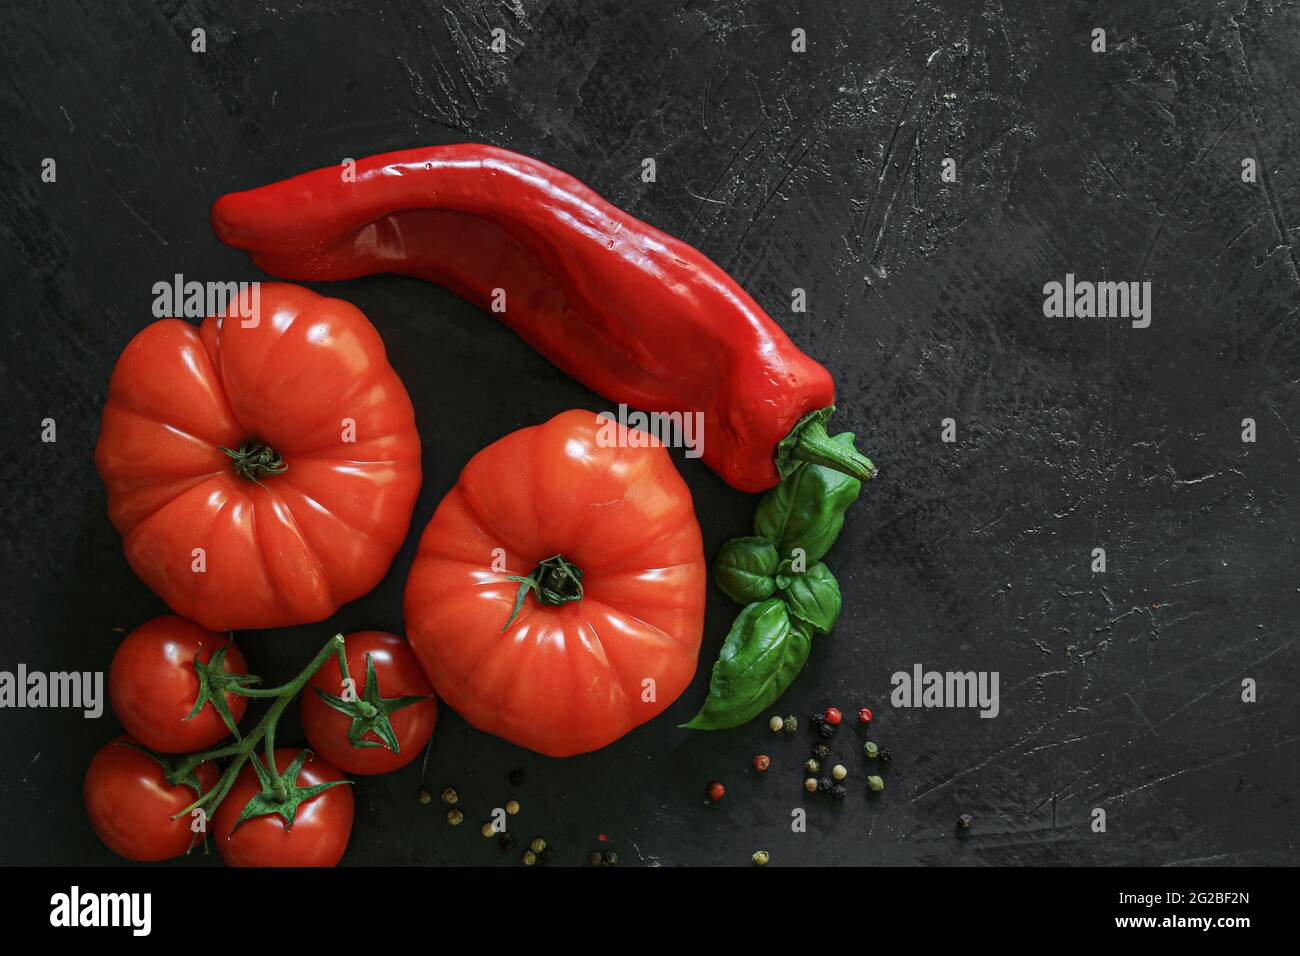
[[632, 313]]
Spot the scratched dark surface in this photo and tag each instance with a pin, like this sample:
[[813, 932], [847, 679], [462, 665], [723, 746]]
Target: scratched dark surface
[[1119, 690]]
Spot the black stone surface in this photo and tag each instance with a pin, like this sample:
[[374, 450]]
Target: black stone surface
[[1119, 690]]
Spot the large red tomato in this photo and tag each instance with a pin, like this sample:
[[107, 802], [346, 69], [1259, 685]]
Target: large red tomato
[[321, 825], [261, 474], [153, 686], [130, 803], [610, 633], [390, 705]]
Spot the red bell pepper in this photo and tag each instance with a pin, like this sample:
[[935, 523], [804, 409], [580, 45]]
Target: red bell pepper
[[636, 315]]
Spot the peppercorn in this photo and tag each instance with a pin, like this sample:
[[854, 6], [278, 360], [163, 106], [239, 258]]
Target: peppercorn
[[811, 765], [965, 821], [488, 829], [760, 858], [512, 807], [790, 725], [838, 771], [594, 858], [828, 730], [529, 857], [818, 719], [537, 844], [450, 796], [870, 749], [717, 791], [517, 778], [546, 855], [875, 784], [885, 755], [775, 724], [424, 796], [762, 762], [611, 858], [864, 715], [507, 841], [833, 715], [839, 791], [822, 752], [824, 784], [454, 817], [810, 784]]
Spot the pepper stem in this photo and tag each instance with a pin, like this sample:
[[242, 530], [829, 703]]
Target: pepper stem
[[554, 581], [812, 443], [255, 460]]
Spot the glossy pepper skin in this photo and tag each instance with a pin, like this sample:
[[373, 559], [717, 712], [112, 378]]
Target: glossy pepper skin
[[631, 312]]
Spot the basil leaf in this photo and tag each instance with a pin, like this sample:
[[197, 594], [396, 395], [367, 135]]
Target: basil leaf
[[744, 569], [814, 598], [763, 653], [806, 510]]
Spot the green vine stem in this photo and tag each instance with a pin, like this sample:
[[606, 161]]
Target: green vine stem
[[241, 749]]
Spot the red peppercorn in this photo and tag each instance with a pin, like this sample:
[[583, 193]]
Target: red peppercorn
[[762, 762], [864, 715], [833, 716], [716, 791]]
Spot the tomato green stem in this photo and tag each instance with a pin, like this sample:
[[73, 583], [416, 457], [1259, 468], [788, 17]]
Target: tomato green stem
[[265, 729], [255, 460], [554, 581]]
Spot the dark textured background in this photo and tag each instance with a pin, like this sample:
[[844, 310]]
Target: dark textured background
[[1119, 690]]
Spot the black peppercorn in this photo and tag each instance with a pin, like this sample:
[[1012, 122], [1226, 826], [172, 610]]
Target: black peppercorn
[[828, 729], [611, 858], [885, 755], [839, 791], [965, 821], [824, 785], [818, 719], [507, 841], [822, 752], [545, 855], [517, 778]]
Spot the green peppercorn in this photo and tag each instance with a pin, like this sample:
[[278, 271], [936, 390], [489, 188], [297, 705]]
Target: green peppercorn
[[512, 807], [537, 845], [529, 857], [594, 858], [760, 858], [488, 829], [875, 784], [811, 765], [454, 817], [424, 796], [870, 749], [450, 795], [611, 858], [790, 725]]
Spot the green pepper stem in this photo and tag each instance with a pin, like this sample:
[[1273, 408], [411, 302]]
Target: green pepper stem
[[814, 444]]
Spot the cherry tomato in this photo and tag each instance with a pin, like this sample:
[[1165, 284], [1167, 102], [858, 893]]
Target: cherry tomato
[[152, 685], [398, 674], [320, 830], [130, 803]]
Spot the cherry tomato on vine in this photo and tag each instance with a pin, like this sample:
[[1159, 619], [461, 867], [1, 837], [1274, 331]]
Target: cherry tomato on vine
[[399, 718], [130, 803], [321, 824], [153, 685]]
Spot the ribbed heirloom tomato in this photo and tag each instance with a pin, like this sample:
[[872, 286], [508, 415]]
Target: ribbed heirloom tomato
[[262, 472], [608, 631]]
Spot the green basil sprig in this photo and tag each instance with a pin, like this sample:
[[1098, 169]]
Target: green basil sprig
[[790, 594]]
